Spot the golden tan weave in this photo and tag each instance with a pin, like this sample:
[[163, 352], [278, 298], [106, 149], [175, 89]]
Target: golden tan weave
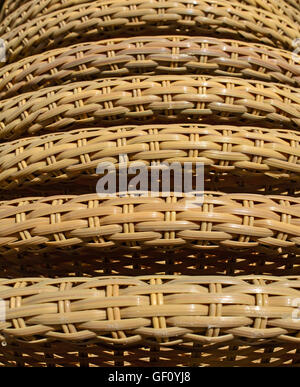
[[89, 21], [76, 261], [251, 158], [168, 310], [140, 99], [236, 221], [149, 55]]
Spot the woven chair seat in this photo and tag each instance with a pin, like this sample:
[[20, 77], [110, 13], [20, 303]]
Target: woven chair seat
[[235, 221], [150, 56], [88, 21], [251, 158], [140, 99], [170, 310]]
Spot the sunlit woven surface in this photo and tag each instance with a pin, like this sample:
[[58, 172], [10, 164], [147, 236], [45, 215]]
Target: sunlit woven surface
[[140, 99], [135, 310], [89, 262], [229, 220], [149, 55], [86, 22], [250, 158]]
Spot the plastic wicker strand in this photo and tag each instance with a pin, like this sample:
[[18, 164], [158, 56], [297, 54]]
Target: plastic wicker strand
[[165, 309], [141, 99], [90, 262], [254, 157], [236, 221], [149, 55], [86, 22], [14, 14]]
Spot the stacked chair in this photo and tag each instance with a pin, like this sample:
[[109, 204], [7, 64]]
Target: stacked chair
[[148, 281]]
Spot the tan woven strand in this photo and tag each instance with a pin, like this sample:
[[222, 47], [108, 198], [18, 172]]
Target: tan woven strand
[[163, 309], [140, 99], [149, 55], [244, 157], [14, 14], [86, 22], [237, 221]]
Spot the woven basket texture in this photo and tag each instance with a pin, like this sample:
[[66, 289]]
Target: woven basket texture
[[236, 221], [17, 12], [150, 281], [251, 158], [140, 99], [168, 310]]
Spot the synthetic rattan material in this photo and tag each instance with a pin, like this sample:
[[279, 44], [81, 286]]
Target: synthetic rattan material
[[149, 55], [86, 22], [165, 309], [244, 157], [15, 12], [236, 221], [140, 99]]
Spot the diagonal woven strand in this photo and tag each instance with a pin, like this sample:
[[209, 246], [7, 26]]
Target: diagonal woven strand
[[167, 310], [86, 22], [14, 14], [234, 221], [234, 157], [149, 55], [89, 262], [140, 99]]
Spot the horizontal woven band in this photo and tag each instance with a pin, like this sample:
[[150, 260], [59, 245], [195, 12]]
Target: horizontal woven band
[[140, 99], [17, 12], [237, 221], [248, 157], [88, 21], [149, 55], [163, 309]]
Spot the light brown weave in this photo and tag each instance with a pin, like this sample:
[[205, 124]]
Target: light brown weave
[[237, 221], [149, 55], [243, 157], [15, 12], [165, 309], [140, 99], [89, 21]]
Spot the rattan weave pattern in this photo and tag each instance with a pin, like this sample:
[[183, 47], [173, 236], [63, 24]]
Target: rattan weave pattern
[[236, 221], [149, 55], [14, 14], [86, 22], [141, 99], [247, 157], [232, 354], [164, 309]]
